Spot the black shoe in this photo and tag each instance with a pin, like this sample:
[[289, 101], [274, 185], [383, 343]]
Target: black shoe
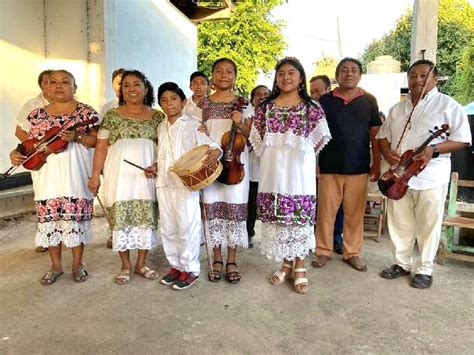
[[186, 280], [394, 272], [250, 243], [421, 281], [172, 275], [338, 249]]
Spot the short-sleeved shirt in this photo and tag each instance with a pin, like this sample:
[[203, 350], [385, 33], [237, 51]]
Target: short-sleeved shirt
[[349, 123]]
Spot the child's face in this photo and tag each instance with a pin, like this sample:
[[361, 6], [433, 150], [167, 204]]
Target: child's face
[[171, 103], [288, 78], [223, 76], [199, 86]]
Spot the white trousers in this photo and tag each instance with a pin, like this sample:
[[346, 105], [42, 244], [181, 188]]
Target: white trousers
[[180, 227], [418, 215]]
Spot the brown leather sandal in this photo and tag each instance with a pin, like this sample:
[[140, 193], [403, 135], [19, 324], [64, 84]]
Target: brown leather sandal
[[215, 275], [232, 277]]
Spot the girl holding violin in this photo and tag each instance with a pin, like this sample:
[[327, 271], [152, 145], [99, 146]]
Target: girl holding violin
[[226, 204], [288, 130], [60, 172]]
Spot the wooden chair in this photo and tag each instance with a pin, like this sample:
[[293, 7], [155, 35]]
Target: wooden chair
[[447, 247], [375, 220]]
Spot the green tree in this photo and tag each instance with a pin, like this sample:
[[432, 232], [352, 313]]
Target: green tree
[[250, 37], [325, 66], [455, 32], [462, 83]]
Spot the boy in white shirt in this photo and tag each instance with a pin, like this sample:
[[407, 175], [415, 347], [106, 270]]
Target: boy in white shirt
[[199, 85], [180, 216]]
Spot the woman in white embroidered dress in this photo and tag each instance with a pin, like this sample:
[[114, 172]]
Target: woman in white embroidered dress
[[226, 205], [287, 131], [62, 201], [129, 133]]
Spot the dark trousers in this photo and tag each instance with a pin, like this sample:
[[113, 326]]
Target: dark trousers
[[252, 208], [338, 225]]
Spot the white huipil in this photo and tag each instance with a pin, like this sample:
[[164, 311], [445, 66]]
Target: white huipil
[[180, 214]]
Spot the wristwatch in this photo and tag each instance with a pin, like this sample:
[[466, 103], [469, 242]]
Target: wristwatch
[[435, 151]]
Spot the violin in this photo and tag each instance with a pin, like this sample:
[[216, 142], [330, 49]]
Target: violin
[[394, 183], [38, 150], [233, 144]]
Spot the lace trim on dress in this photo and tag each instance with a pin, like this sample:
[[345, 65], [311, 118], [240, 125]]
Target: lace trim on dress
[[70, 233], [225, 233], [286, 242], [228, 211], [256, 141], [320, 136], [134, 238]]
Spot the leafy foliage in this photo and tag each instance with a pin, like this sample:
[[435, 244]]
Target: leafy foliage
[[462, 83], [250, 37], [455, 33], [325, 66]]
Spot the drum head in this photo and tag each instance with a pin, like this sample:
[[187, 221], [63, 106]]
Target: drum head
[[189, 159]]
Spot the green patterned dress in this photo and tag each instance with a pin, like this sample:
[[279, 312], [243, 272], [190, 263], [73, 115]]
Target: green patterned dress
[[129, 196]]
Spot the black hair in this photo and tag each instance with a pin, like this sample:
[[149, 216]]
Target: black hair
[[117, 72], [224, 59], [43, 73], [324, 78], [198, 74], [254, 91], [302, 89], [149, 99], [348, 59], [173, 87], [424, 62], [67, 73]]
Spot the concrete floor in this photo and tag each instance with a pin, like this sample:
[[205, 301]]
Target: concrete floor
[[345, 312]]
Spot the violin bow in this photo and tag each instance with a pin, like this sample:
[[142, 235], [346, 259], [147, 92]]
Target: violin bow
[[422, 93]]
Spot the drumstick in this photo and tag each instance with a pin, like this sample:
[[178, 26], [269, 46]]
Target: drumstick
[[106, 214], [133, 164], [205, 228]]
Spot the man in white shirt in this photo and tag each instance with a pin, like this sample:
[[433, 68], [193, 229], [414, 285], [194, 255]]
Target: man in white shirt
[[42, 100], [199, 85], [114, 103], [419, 213]]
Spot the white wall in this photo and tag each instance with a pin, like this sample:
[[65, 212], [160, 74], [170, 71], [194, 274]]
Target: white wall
[[90, 38], [21, 60], [151, 36], [385, 87]]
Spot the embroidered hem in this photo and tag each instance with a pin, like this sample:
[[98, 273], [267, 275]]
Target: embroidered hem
[[64, 208], [226, 211], [286, 242], [70, 233], [136, 213], [286, 209]]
